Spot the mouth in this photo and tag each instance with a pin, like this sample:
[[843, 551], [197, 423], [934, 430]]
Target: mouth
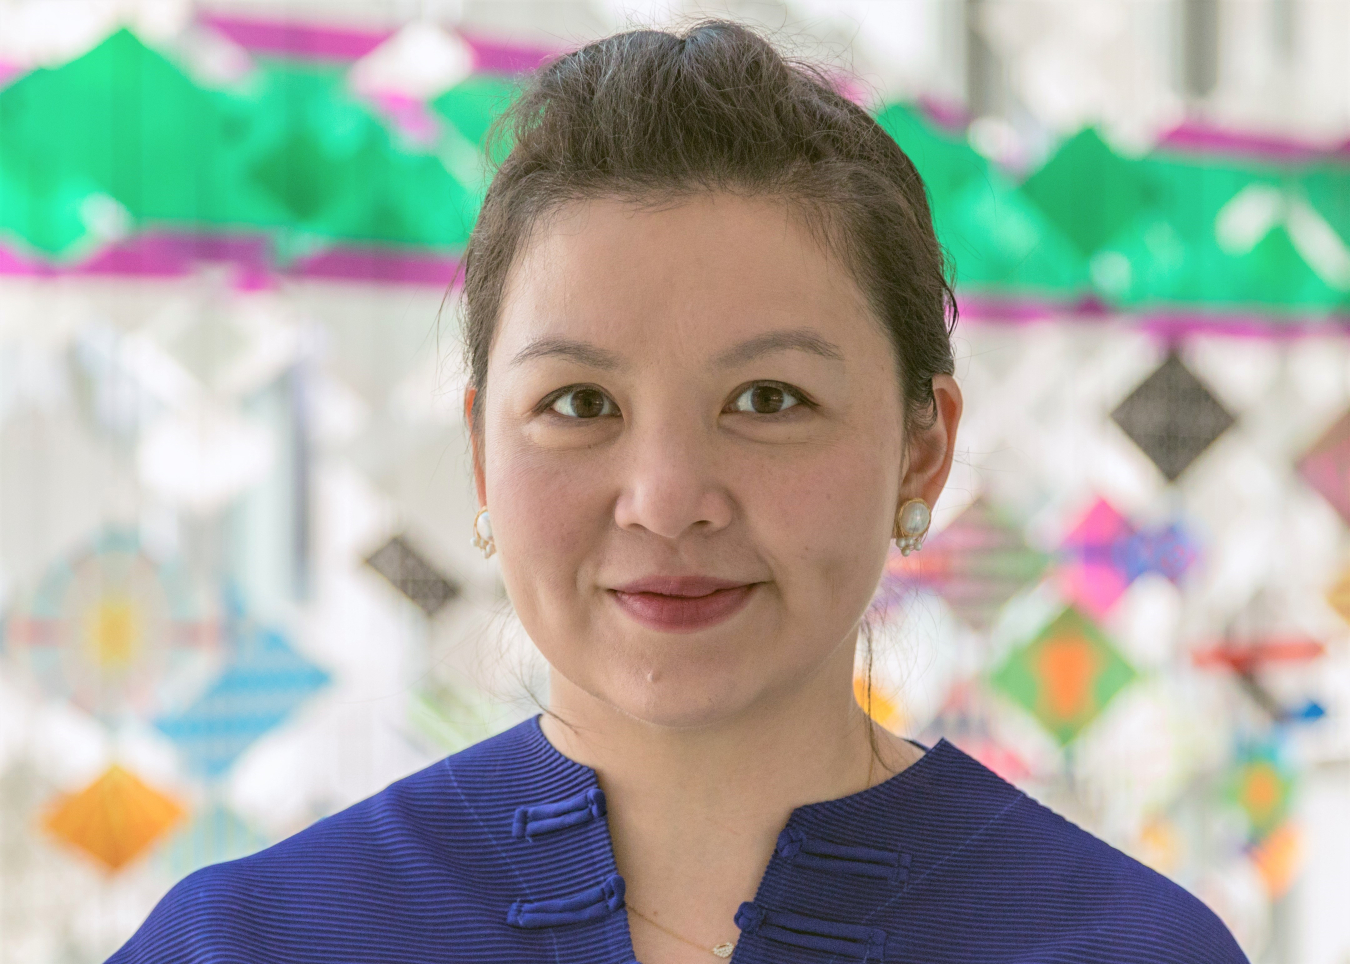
[[682, 604]]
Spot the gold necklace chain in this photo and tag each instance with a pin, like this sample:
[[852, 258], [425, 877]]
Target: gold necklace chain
[[725, 948], [721, 950]]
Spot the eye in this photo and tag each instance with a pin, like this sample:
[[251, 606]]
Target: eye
[[765, 398], [583, 402]]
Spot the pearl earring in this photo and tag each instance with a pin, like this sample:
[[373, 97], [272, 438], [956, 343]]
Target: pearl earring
[[911, 525], [482, 533]]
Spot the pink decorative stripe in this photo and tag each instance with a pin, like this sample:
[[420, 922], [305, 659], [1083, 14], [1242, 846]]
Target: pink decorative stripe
[[301, 40], [492, 55], [945, 114], [378, 264], [1165, 324], [8, 72], [1015, 310], [144, 256], [12, 263], [167, 254], [1173, 325], [854, 89], [173, 255], [1199, 138], [409, 115]]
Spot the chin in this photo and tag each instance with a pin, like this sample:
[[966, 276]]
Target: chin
[[684, 696]]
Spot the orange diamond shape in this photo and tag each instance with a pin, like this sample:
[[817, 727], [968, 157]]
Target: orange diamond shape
[[115, 818], [1339, 595]]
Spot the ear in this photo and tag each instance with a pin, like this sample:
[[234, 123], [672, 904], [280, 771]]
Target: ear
[[929, 453], [479, 479]]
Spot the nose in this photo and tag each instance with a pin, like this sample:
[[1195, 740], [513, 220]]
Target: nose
[[672, 480]]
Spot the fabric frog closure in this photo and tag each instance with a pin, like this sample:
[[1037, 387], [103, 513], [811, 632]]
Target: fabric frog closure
[[803, 850], [853, 942], [531, 822]]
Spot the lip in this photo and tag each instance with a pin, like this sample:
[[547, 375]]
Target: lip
[[682, 604]]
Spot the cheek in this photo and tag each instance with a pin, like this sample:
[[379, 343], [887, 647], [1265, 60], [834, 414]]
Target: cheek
[[547, 515], [826, 523]]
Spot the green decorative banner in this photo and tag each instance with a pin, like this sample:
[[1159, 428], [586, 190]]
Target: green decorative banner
[[121, 143]]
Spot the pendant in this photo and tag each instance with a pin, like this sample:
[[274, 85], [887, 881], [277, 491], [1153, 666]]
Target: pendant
[[724, 949]]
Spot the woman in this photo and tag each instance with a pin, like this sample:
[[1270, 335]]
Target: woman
[[708, 334]]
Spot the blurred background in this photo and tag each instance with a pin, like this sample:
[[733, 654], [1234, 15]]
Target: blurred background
[[237, 591]]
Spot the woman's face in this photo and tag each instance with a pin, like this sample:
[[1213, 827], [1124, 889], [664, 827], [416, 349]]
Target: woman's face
[[692, 452]]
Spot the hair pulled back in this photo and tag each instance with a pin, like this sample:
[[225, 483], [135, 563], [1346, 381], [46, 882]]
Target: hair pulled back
[[652, 116]]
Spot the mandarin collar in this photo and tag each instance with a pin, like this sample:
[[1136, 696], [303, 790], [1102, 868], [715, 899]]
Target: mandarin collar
[[837, 867]]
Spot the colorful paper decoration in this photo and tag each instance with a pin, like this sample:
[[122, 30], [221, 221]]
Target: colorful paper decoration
[[289, 149], [1326, 466], [263, 682], [1160, 845], [977, 563], [474, 103], [964, 720], [1278, 858], [450, 716], [112, 630], [998, 237], [127, 122], [1088, 191], [1262, 787], [884, 709], [412, 575], [1104, 554], [115, 818], [1338, 596], [213, 835], [1246, 656], [1172, 417], [1308, 712], [1066, 675]]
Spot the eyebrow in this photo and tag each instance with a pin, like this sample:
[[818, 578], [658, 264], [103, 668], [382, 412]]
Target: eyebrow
[[577, 351], [793, 340], [747, 351]]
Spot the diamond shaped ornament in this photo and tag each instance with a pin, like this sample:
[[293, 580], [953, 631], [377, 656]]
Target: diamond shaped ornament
[[1065, 676], [1262, 787], [111, 630], [1092, 577], [1338, 596], [1104, 553], [264, 681], [1326, 466], [412, 575], [977, 563], [1172, 417], [115, 818]]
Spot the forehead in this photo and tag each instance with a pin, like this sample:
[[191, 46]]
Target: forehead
[[712, 268]]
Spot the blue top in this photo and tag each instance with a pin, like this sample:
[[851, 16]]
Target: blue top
[[502, 853]]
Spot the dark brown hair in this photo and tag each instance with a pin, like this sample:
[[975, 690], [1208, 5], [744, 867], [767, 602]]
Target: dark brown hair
[[651, 116]]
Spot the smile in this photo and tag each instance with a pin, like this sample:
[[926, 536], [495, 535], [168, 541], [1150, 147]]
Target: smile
[[683, 613]]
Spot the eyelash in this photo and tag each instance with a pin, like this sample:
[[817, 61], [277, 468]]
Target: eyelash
[[545, 407], [804, 400]]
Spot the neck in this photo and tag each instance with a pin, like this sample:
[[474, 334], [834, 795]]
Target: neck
[[694, 812], [808, 745]]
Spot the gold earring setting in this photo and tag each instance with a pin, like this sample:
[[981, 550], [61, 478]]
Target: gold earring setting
[[482, 533], [911, 525]]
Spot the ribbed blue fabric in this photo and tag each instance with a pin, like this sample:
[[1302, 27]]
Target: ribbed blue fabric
[[502, 853]]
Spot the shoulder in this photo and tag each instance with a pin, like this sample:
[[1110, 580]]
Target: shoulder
[[1109, 900], [1025, 868], [388, 862]]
